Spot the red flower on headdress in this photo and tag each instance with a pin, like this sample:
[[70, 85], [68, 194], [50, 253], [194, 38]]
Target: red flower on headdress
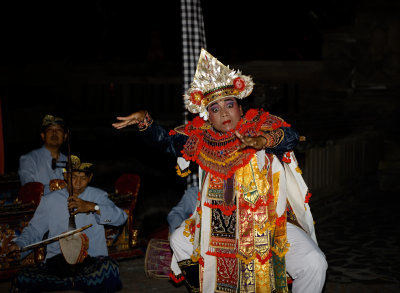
[[198, 122], [172, 132], [239, 83], [196, 97], [251, 114]]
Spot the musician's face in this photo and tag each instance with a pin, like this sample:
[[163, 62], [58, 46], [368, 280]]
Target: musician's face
[[80, 181], [54, 136]]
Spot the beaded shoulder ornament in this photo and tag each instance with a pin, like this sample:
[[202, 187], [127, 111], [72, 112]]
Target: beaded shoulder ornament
[[217, 152]]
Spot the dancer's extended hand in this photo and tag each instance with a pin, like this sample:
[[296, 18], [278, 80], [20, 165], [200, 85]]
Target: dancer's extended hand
[[131, 119]]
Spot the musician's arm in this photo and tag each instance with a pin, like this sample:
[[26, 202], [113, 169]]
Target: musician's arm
[[13, 250], [109, 213], [36, 228], [26, 169]]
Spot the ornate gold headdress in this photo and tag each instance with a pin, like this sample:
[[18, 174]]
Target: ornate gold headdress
[[213, 81], [51, 120], [78, 166]]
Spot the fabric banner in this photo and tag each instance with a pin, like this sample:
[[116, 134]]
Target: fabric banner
[[193, 40]]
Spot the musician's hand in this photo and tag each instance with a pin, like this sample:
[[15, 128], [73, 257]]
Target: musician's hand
[[77, 205], [13, 250], [133, 118], [256, 142]]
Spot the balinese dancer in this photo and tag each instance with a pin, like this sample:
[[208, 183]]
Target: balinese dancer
[[237, 238]]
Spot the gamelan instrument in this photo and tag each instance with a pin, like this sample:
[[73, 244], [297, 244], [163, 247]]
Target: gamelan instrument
[[74, 248], [54, 238], [158, 258]]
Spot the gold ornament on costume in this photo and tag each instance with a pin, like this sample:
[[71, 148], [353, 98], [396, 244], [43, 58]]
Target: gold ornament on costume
[[57, 184], [51, 120], [78, 166], [213, 81]]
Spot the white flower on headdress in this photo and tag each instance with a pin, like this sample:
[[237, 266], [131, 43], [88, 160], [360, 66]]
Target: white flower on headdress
[[204, 115]]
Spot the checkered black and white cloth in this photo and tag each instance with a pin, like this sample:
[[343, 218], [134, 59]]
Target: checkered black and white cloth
[[193, 40]]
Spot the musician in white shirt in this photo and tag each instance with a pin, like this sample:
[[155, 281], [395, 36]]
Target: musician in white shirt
[[89, 205]]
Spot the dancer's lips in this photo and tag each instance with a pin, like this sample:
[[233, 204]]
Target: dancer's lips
[[226, 122]]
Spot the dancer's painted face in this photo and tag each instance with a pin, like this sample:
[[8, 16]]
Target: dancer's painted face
[[225, 114]]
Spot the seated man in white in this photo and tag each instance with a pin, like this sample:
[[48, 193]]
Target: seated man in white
[[87, 205], [40, 165]]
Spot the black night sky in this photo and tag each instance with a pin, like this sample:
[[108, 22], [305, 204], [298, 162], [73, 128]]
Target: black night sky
[[124, 31]]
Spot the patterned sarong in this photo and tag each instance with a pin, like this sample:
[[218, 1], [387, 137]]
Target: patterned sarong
[[96, 274]]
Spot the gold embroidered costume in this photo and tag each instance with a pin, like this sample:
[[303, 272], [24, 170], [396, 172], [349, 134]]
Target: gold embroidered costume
[[239, 238]]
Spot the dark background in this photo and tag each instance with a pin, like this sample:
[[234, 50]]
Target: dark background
[[93, 31], [77, 59], [89, 61], [330, 68]]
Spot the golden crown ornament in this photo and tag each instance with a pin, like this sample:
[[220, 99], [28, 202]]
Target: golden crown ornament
[[76, 165], [213, 81]]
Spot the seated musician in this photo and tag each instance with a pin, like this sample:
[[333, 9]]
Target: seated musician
[[87, 205], [184, 209], [39, 165]]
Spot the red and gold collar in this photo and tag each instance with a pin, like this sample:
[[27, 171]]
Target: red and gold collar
[[216, 152]]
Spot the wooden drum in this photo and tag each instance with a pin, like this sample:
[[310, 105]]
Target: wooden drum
[[158, 259]]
